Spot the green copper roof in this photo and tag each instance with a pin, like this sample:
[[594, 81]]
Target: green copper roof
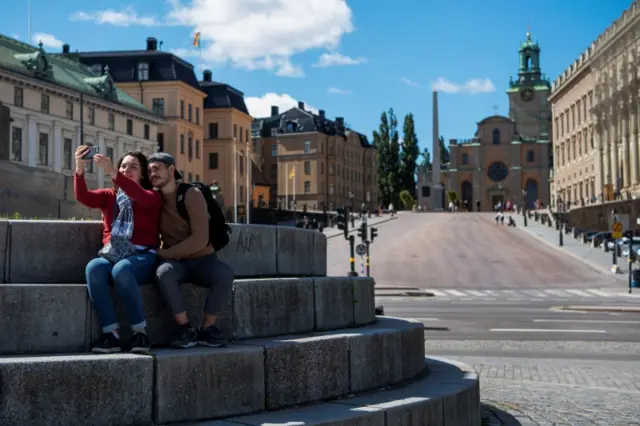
[[529, 44], [34, 62]]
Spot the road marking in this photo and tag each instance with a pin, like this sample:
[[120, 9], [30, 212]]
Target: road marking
[[555, 293], [476, 293], [587, 321], [543, 330], [579, 293], [438, 293], [455, 292], [534, 293], [601, 293], [424, 319]]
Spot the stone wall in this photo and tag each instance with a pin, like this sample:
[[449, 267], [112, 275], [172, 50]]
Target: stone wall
[[599, 217]]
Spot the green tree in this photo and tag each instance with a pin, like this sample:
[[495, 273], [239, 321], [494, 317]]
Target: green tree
[[444, 152], [407, 200], [386, 141], [393, 175], [425, 166], [409, 156]]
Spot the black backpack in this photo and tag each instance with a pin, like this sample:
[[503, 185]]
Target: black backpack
[[218, 229]]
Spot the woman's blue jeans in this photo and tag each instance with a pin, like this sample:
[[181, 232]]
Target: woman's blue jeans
[[125, 276]]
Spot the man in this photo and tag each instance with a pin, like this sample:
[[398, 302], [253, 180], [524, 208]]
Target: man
[[187, 256]]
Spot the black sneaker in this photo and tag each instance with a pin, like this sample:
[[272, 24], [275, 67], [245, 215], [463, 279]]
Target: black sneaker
[[108, 344], [139, 344], [187, 338], [211, 337]]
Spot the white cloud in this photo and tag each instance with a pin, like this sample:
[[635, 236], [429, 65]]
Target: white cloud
[[263, 34], [48, 40], [336, 59], [123, 18], [15, 36], [473, 86], [410, 82], [261, 106], [336, 91]]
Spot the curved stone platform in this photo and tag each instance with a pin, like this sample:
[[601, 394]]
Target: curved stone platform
[[57, 251], [172, 386], [58, 318]]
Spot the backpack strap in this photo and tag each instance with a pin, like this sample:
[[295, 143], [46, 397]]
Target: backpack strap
[[182, 208]]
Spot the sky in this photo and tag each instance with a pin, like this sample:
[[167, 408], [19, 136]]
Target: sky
[[351, 58]]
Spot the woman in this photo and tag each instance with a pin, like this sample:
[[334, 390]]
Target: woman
[[131, 219]]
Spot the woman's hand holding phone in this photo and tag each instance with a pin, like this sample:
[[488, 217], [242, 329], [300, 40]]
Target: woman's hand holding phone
[[81, 152]]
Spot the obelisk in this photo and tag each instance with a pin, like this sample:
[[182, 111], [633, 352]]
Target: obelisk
[[436, 182]]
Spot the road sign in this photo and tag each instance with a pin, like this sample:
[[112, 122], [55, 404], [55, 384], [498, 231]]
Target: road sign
[[616, 230], [361, 249]]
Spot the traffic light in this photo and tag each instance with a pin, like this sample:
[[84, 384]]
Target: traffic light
[[374, 233], [362, 231], [343, 223]]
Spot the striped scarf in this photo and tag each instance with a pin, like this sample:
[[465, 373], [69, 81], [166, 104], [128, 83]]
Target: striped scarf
[[123, 223]]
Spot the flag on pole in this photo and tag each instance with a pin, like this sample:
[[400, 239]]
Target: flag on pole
[[292, 173], [196, 40]]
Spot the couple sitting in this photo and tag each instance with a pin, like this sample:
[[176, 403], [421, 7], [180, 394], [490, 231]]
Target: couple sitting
[[134, 214]]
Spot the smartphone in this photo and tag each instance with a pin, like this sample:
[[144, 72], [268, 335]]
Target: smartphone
[[93, 150]]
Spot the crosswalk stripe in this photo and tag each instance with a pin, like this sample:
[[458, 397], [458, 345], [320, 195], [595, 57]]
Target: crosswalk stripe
[[476, 293], [455, 292], [600, 293], [437, 293], [535, 293], [555, 292], [524, 294], [580, 293]]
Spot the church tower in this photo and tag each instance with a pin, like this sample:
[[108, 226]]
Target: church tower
[[528, 94]]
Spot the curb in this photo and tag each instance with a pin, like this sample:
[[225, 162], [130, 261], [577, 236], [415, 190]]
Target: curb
[[627, 309], [369, 225], [407, 293]]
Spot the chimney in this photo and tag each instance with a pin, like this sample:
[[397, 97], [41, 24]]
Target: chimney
[[65, 48], [274, 110], [321, 113], [206, 75], [340, 122], [301, 105], [152, 43]]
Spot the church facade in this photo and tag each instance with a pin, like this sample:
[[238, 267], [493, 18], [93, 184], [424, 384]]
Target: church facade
[[509, 158]]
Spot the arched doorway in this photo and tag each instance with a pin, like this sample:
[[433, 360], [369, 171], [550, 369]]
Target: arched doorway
[[531, 186], [466, 194]]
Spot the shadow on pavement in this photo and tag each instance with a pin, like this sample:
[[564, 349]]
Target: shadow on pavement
[[494, 416]]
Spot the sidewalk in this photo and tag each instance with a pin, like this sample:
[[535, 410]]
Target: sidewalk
[[373, 221], [594, 257]]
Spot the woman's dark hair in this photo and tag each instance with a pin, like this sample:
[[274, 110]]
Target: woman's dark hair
[[145, 182]]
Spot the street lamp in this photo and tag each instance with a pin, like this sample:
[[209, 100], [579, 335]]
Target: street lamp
[[524, 206], [235, 182], [248, 171], [560, 208]]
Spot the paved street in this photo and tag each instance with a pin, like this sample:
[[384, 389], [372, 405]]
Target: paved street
[[467, 251]]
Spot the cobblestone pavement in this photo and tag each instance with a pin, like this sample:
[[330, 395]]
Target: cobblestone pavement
[[558, 392]]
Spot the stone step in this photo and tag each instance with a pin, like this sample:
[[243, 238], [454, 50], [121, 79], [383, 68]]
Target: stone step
[[58, 318], [173, 386], [57, 251], [449, 396]]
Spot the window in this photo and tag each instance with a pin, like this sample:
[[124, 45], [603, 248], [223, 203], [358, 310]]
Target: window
[[246, 135], [182, 174], [213, 130], [307, 167], [307, 147], [332, 189], [67, 153], [69, 110], [43, 150], [274, 150], [213, 160], [498, 172], [197, 149], [307, 186], [197, 178], [130, 127], [241, 164], [18, 96], [160, 142], [465, 159], [330, 169], [158, 106], [16, 144], [181, 144], [146, 131], [197, 116], [241, 133], [110, 153], [44, 104], [190, 177], [190, 147], [181, 109], [496, 136], [274, 171], [143, 71], [531, 156], [189, 112], [112, 122], [235, 130], [92, 116]]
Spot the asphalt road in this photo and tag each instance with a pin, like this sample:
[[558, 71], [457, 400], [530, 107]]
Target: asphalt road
[[466, 251]]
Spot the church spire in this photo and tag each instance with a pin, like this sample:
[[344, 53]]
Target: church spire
[[529, 72]]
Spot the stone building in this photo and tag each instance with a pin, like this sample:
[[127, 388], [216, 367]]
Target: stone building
[[56, 104], [596, 114], [508, 158], [318, 162]]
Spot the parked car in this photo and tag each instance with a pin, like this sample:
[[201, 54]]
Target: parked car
[[622, 241], [599, 237]]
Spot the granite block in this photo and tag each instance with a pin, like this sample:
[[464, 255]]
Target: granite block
[[462, 407], [208, 383], [272, 307], [375, 358], [333, 302], [251, 251], [42, 318], [319, 254], [300, 369], [412, 337], [78, 390], [318, 415], [5, 235], [295, 251], [364, 300], [52, 251]]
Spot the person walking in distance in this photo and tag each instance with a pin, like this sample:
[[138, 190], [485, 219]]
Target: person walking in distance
[[187, 253]]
